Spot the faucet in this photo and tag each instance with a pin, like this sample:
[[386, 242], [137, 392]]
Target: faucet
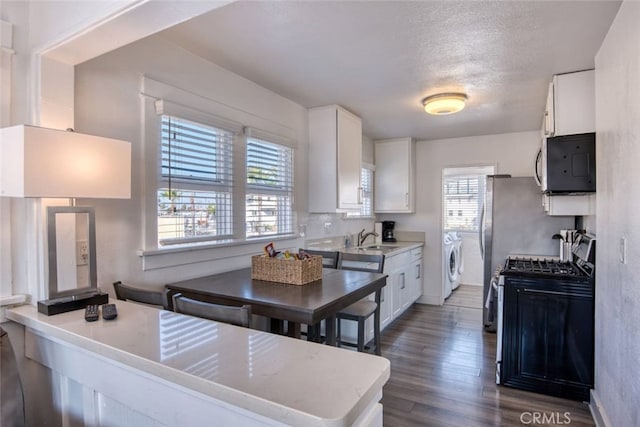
[[362, 236]]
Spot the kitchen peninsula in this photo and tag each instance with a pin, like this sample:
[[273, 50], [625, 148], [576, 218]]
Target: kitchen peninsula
[[156, 367]]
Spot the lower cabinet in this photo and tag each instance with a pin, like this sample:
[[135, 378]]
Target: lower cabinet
[[416, 274], [404, 287]]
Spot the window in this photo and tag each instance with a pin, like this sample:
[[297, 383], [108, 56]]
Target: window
[[269, 198], [463, 196], [195, 193], [366, 182], [200, 195]]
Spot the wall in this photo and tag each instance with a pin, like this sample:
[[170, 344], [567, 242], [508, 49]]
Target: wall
[[512, 153], [108, 103], [617, 385]]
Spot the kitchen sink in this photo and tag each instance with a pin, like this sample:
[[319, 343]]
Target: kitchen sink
[[381, 247]]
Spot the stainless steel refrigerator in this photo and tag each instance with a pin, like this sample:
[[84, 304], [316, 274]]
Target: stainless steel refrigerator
[[513, 221]]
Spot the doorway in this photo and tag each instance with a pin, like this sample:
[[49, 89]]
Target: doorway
[[463, 193]]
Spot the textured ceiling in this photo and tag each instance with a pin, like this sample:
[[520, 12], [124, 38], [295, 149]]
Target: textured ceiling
[[379, 59]]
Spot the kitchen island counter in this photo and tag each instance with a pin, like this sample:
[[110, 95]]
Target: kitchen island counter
[[197, 369]]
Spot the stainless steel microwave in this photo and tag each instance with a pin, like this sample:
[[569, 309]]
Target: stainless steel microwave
[[567, 164]]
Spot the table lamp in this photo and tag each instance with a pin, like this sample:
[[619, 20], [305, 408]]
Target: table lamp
[[41, 162]]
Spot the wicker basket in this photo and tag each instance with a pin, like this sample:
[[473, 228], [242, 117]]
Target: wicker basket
[[294, 272]]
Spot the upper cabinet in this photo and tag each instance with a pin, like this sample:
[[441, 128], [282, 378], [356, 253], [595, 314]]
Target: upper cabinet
[[395, 175], [335, 160], [570, 107]]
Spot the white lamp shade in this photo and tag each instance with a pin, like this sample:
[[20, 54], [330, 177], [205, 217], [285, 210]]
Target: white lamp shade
[[41, 162]]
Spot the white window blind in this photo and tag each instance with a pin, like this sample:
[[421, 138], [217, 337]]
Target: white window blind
[[269, 197], [366, 182], [195, 192], [463, 198]]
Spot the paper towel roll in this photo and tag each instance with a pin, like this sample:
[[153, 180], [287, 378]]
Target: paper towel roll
[[377, 227]]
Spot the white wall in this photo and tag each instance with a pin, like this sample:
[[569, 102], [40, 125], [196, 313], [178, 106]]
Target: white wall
[[512, 153], [617, 375], [108, 103]]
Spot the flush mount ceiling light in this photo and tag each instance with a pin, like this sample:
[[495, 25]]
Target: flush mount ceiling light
[[444, 103]]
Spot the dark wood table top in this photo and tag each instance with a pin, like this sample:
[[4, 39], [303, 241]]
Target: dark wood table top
[[307, 304]]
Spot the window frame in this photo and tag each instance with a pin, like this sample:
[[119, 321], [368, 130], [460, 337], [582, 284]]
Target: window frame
[[284, 189], [239, 180], [457, 174], [366, 210]]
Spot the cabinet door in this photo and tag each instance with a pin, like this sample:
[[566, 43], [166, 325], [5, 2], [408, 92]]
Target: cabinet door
[[396, 291], [394, 177], [549, 113], [385, 306], [574, 103], [406, 278], [416, 286], [548, 338], [349, 160], [335, 157]]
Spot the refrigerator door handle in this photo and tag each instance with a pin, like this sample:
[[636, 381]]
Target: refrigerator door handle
[[481, 232]]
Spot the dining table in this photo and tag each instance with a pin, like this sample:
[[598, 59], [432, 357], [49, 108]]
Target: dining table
[[306, 304]]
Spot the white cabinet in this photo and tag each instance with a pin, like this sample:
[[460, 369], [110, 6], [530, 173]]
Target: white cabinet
[[570, 107], [404, 287], [335, 160], [569, 205], [416, 274], [395, 175]]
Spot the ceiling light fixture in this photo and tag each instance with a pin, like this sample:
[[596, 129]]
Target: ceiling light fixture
[[444, 103]]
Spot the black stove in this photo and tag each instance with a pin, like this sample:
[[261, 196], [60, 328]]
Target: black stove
[[580, 268], [542, 267], [546, 324]]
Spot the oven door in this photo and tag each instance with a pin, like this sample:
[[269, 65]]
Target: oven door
[[500, 313]]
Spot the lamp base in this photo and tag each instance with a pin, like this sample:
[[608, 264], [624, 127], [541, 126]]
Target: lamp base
[[75, 302]]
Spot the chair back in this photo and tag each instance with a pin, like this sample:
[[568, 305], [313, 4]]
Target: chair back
[[361, 262], [239, 316], [145, 296], [329, 258]]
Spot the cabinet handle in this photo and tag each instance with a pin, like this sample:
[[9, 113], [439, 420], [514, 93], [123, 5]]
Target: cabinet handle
[[360, 195], [382, 294], [418, 271], [558, 293], [406, 199], [403, 275]]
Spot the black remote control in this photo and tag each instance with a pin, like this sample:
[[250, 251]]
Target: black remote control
[[109, 311], [91, 313]]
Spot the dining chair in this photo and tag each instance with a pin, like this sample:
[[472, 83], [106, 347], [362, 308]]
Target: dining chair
[[235, 315], [145, 296], [329, 258], [360, 311]]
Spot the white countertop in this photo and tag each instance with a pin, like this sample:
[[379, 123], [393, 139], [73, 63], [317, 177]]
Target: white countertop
[[286, 379], [394, 248]]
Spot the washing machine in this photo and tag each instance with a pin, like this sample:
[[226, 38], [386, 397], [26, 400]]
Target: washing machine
[[451, 265], [457, 245]]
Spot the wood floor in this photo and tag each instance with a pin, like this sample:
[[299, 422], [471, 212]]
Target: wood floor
[[442, 373]]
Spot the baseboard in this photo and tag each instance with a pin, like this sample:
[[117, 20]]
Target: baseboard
[[597, 412]]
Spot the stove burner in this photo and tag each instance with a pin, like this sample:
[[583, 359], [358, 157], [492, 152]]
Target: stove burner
[[542, 266]]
